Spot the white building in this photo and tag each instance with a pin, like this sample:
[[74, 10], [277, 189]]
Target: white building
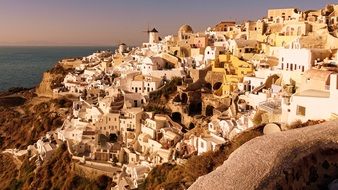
[[130, 124], [108, 124], [145, 84], [212, 53], [207, 143], [300, 60], [45, 148], [316, 99]]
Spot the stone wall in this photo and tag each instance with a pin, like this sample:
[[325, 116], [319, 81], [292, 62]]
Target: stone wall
[[304, 158]]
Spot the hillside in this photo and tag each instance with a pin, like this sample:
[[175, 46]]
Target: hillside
[[56, 173], [168, 176]]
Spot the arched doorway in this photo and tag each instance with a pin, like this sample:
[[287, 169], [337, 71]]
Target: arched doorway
[[177, 117], [191, 126], [176, 53], [217, 85], [209, 110], [195, 108], [184, 98]]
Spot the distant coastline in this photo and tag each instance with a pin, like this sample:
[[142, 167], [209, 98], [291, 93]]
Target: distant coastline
[[22, 66]]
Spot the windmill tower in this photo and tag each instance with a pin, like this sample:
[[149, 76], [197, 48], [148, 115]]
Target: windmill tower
[[153, 36]]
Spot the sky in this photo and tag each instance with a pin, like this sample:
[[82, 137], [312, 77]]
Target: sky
[[110, 22]]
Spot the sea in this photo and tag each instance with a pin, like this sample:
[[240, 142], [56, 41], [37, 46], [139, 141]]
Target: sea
[[24, 66]]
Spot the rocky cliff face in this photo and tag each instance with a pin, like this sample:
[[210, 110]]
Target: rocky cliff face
[[304, 158], [44, 88], [25, 124], [55, 173], [52, 79]]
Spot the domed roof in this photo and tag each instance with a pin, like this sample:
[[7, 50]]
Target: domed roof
[[185, 29], [271, 128]]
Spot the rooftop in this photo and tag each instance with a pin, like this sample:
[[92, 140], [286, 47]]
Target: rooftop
[[313, 93]]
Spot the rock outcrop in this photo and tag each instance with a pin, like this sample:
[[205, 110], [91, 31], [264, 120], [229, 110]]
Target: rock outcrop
[[44, 88], [304, 158], [52, 79]]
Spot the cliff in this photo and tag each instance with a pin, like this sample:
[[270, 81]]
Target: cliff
[[304, 158], [55, 173], [21, 125], [52, 79], [44, 88]]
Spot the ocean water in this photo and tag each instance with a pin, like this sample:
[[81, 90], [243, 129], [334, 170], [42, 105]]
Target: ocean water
[[24, 66]]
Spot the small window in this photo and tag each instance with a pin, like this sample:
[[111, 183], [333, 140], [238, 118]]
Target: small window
[[301, 110], [202, 145]]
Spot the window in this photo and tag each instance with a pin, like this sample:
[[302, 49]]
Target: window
[[202, 145], [301, 110]]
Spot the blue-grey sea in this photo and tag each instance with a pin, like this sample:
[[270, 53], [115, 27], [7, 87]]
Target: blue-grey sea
[[24, 66]]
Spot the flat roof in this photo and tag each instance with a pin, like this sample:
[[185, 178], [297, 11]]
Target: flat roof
[[215, 140], [314, 93]]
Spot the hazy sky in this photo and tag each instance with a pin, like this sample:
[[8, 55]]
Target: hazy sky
[[108, 22]]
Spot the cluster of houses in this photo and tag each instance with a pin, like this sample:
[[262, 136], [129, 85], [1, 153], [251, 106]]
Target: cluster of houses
[[284, 66]]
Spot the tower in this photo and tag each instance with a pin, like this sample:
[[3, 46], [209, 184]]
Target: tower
[[153, 36]]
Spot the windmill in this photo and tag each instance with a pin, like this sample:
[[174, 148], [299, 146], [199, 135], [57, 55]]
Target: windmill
[[148, 30], [153, 35]]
